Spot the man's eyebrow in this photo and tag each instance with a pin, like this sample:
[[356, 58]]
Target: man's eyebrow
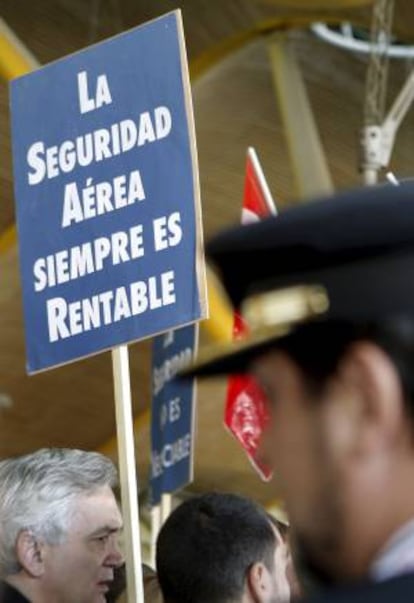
[[104, 530]]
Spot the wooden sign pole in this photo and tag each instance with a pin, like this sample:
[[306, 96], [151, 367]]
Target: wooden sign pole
[[166, 507], [155, 528], [128, 475]]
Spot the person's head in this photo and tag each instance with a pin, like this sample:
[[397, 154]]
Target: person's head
[[342, 402], [221, 548], [327, 292], [59, 523]]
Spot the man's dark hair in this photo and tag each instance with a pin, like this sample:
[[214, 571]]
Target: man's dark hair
[[317, 349], [207, 546]]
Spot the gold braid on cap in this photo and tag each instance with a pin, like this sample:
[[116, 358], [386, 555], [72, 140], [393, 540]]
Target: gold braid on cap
[[268, 316], [284, 307]]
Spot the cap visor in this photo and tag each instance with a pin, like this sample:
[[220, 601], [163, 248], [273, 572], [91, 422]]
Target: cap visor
[[234, 357]]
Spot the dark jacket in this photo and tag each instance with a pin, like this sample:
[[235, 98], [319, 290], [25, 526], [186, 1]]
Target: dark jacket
[[8, 594], [395, 590]]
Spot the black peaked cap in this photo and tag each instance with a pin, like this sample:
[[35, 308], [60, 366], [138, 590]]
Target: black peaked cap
[[357, 247], [350, 227]]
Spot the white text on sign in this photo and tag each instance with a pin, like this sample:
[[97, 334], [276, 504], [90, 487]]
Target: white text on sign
[[89, 200]]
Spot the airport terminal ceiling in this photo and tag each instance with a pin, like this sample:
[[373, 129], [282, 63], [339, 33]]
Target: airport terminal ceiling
[[235, 106]]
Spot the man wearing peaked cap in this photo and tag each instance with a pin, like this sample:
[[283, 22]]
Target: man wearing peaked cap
[[328, 292]]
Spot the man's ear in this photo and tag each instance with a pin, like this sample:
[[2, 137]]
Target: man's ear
[[30, 553], [377, 400], [259, 583]]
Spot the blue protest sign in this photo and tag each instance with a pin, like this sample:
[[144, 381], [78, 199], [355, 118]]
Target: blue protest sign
[[107, 196], [172, 413]]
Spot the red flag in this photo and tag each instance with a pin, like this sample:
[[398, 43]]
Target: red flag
[[246, 414]]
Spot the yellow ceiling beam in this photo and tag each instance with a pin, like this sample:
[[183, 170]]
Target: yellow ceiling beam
[[219, 326], [15, 58], [207, 59], [8, 238]]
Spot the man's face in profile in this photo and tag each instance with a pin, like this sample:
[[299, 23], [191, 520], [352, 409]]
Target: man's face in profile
[[79, 569], [305, 469]]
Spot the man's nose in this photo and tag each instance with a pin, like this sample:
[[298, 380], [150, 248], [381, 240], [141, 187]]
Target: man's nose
[[115, 557]]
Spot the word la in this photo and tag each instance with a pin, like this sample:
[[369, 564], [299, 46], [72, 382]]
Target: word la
[[102, 93]]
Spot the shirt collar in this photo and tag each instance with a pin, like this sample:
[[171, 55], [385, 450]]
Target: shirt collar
[[397, 556]]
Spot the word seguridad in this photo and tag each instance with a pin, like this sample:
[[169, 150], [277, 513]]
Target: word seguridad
[[96, 146]]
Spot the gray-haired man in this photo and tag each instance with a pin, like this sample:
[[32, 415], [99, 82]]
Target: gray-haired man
[[59, 523]]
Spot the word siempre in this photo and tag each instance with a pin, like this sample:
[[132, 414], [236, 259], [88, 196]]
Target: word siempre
[[96, 255]]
